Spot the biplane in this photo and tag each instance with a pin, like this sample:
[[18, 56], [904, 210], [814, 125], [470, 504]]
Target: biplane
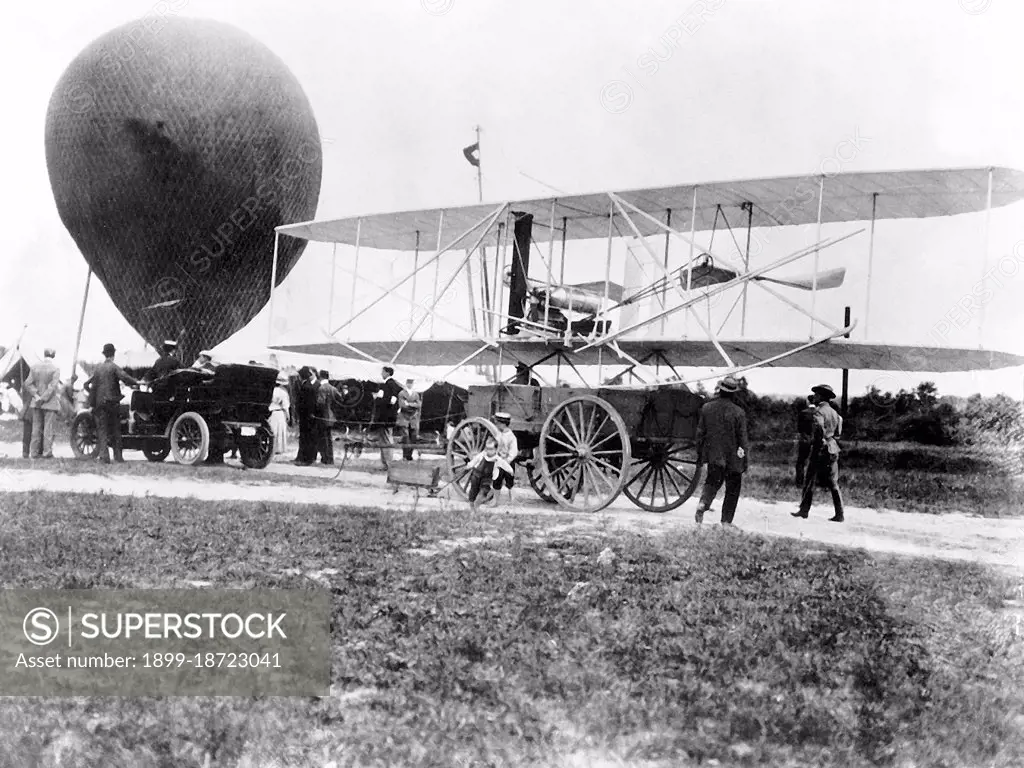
[[587, 452]]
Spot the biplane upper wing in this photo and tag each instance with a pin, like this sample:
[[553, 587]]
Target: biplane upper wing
[[690, 353], [773, 202]]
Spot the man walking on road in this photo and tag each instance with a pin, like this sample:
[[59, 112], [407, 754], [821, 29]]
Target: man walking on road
[[722, 447], [823, 469], [43, 386]]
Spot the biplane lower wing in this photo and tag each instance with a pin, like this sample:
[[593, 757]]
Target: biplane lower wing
[[833, 354]]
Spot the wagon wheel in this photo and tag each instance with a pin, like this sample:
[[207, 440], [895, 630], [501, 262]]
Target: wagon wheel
[[536, 478], [467, 441], [584, 453], [156, 450], [664, 475], [190, 439], [84, 436], [257, 452]]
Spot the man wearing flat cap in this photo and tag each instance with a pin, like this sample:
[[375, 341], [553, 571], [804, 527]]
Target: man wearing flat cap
[[105, 394], [167, 362], [823, 468], [722, 446]]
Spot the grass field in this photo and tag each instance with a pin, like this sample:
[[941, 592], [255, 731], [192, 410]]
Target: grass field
[[519, 647]]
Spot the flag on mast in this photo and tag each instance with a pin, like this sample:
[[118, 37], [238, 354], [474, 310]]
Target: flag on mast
[[472, 154]]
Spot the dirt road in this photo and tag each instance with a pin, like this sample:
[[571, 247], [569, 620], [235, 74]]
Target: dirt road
[[998, 543]]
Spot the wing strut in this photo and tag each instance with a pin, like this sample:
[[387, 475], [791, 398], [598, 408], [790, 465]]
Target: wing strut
[[437, 296], [761, 270]]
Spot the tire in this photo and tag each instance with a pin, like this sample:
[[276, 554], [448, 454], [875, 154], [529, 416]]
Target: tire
[[664, 476], [84, 437], [190, 439], [467, 441], [536, 478], [584, 453], [257, 452], [157, 452]]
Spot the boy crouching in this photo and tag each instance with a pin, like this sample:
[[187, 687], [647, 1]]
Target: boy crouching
[[488, 471]]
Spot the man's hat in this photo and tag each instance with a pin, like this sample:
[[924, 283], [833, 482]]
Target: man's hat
[[324, 375], [503, 417], [108, 350], [825, 391], [49, 352], [410, 381], [728, 384]]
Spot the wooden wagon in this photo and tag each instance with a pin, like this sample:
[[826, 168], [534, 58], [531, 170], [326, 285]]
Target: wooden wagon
[[583, 447]]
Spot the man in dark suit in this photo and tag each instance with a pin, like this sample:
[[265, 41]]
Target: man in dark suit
[[326, 397], [166, 363], [722, 446], [306, 408], [804, 437], [386, 413], [105, 393]]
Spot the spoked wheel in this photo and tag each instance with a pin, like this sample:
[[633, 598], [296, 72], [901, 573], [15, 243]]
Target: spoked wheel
[[467, 441], [584, 453], [257, 452], [156, 451], [536, 478], [664, 475], [190, 439], [84, 436]]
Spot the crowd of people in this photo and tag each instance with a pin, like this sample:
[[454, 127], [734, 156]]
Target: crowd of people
[[396, 408], [721, 440]]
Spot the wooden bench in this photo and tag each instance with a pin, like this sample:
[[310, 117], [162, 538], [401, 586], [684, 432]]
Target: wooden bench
[[417, 475]]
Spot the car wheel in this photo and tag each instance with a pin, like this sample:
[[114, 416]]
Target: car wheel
[[84, 436], [156, 452], [190, 439], [257, 452]]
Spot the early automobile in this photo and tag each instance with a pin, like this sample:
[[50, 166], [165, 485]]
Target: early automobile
[[195, 416]]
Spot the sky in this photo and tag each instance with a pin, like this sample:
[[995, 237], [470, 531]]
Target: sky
[[573, 98]]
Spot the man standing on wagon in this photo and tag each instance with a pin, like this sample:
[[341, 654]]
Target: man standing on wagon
[[722, 446]]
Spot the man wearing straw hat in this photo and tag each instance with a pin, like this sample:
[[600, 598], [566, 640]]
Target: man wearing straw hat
[[722, 447], [823, 469]]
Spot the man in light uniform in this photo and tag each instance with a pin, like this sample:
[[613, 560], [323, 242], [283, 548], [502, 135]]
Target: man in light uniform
[[823, 469]]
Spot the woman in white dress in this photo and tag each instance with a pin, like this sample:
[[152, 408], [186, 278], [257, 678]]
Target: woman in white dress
[[280, 407]]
